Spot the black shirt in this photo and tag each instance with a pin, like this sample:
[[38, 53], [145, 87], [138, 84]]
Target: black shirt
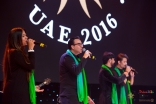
[[68, 71], [121, 84], [106, 80], [17, 86]]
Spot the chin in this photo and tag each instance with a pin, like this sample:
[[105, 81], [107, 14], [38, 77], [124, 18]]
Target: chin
[[25, 45], [79, 53]]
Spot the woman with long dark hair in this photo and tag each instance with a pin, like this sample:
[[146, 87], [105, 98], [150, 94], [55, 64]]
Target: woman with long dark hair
[[18, 69]]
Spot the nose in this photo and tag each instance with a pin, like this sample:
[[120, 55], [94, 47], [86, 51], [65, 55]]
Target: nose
[[26, 37]]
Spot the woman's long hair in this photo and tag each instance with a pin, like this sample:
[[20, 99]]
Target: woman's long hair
[[14, 42]]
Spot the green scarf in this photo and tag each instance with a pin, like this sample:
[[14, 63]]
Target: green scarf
[[82, 91], [32, 88], [114, 90], [122, 90]]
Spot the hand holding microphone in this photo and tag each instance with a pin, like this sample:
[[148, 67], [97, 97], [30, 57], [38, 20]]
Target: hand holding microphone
[[128, 69], [133, 70], [37, 88], [31, 44], [90, 54], [87, 54]]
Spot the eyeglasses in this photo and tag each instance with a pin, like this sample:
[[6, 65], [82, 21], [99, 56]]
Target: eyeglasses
[[80, 44]]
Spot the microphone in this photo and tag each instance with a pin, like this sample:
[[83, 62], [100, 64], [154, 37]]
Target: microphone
[[133, 70], [46, 82], [92, 56], [40, 44]]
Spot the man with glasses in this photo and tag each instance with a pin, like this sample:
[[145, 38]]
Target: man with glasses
[[73, 85]]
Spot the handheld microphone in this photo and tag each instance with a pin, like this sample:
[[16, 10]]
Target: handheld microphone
[[92, 56], [46, 82], [133, 70], [40, 44]]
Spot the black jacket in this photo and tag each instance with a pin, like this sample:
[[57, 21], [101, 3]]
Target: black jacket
[[106, 80], [68, 78], [17, 87]]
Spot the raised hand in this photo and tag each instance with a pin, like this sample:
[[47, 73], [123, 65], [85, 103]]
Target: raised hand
[[90, 101], [87, 54]]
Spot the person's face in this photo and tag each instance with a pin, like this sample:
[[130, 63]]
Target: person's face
[[77, 47], [24, 38], [112, 61], [123, 63]]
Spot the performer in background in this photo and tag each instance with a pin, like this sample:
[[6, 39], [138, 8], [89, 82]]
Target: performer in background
[[108, 81], [123, 89], [18, 80], [73, 85]]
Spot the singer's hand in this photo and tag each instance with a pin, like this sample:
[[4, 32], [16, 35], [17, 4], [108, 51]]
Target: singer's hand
[[126, 73], [125, 80], [31, 44], [128, 69], [90, 101], [87, 54], [37, 88], [132, 74]]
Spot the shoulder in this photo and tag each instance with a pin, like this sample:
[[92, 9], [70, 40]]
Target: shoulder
[[65, 55], [102, 71], [15, 53], [105, 72]]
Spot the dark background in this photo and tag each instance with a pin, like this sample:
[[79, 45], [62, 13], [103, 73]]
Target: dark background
[[134, 34]]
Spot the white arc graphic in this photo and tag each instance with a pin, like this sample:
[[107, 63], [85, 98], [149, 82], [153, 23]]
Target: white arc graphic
[[83, 4], [122, 1], [84, 7], [98, 3], [62, 5]]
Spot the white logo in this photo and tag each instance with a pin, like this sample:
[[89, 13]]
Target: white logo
[[83, 4], [107, 25]]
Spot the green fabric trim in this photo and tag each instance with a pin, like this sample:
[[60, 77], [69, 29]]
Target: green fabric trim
[[122, 91], [122, 99], [82, 91], [114, 90], [129, 92], [32, 88]]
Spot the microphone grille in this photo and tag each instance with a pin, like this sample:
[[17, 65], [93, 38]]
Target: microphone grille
[[84, 49]]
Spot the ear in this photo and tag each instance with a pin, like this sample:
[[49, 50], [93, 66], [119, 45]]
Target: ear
[[109, 60], [119, 62], [72, 46]]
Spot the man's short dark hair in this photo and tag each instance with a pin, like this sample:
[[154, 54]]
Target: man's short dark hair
[[71, 41], [107, 56], [120, 56]]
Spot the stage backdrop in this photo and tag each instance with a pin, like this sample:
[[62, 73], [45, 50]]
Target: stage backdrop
[[126, 26]]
